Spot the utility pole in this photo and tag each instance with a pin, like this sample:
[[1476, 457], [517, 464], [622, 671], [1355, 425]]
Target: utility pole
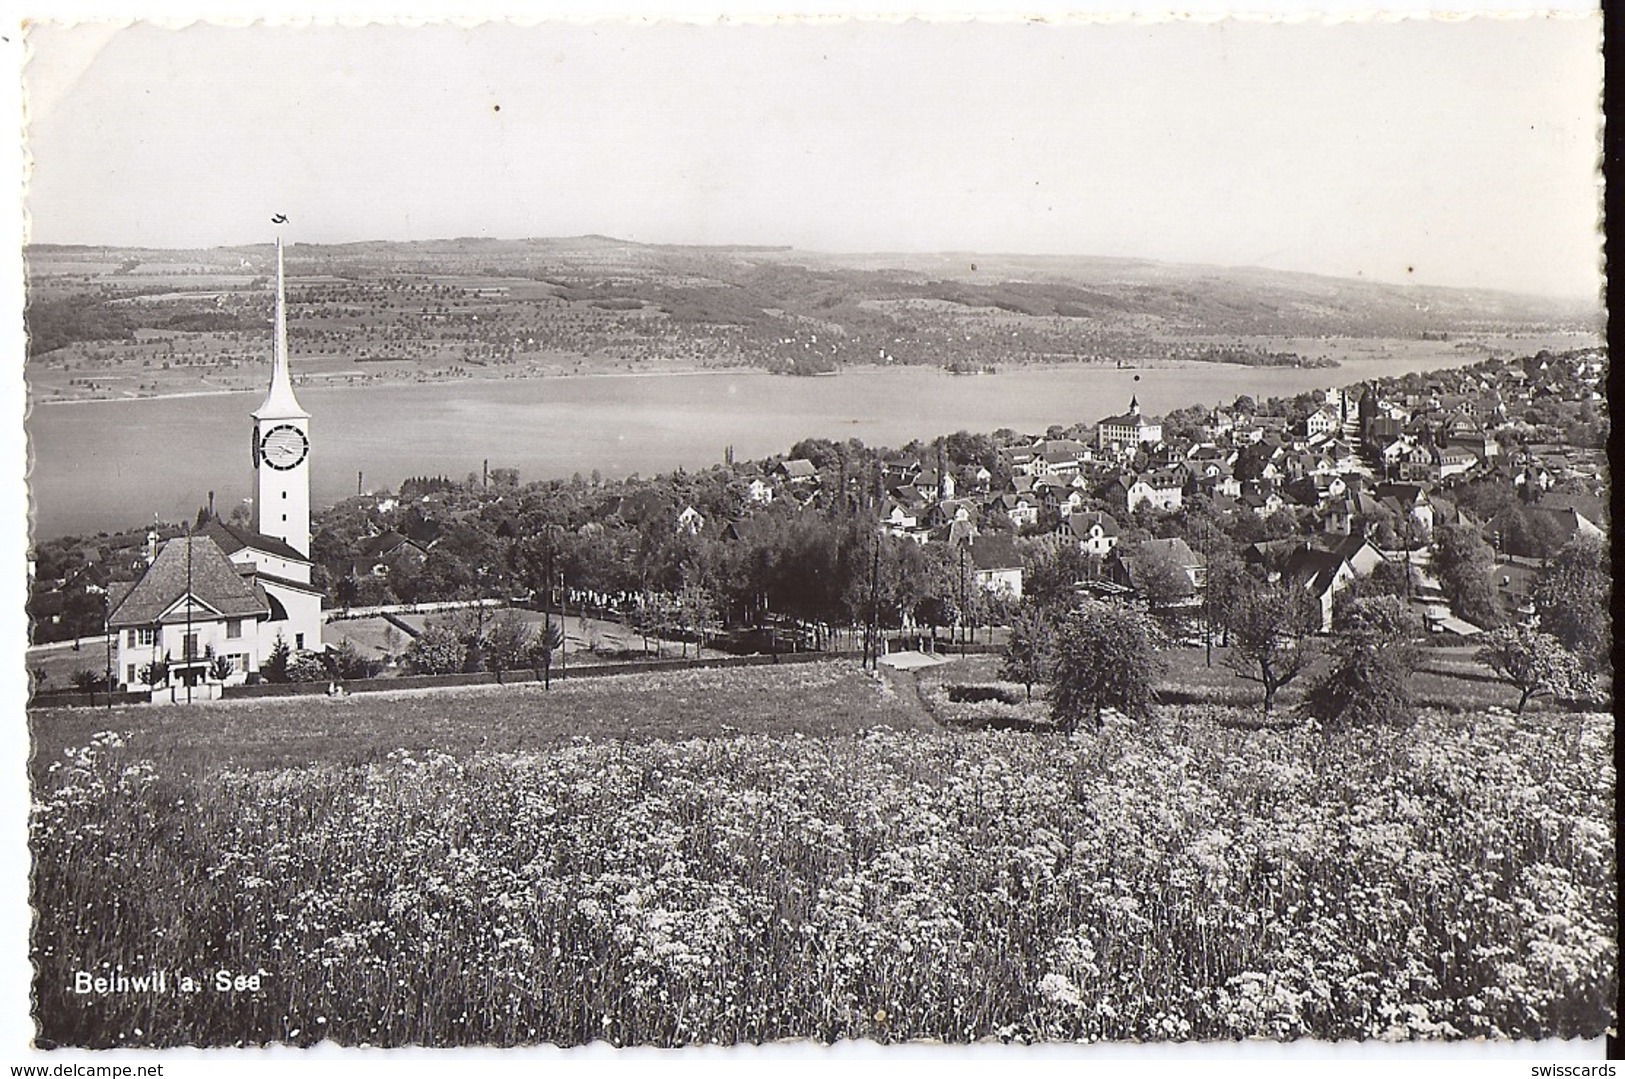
[[1408, 592], [547, 613], [186, 641], [872, 645], [963, 612], [107, 632]]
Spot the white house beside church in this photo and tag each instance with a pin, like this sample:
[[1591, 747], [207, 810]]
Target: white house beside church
[[211, 607]]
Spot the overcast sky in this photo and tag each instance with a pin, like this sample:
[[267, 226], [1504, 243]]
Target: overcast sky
[[1444, 152]]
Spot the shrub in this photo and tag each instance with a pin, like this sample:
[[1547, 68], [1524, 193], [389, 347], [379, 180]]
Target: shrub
[[275, 667], [156, 673], [1369, 683], [437, 650], [974, 693], [507, 641], [306, 667], [1105, 657], [346, 662]]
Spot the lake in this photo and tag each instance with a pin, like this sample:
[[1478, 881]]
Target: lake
[[109, 465]]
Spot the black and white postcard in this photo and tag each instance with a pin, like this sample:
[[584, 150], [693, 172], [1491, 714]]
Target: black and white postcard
[[1029, 535]]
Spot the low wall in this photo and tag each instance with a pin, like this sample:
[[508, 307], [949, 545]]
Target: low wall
[[486, 678], [79, 699]]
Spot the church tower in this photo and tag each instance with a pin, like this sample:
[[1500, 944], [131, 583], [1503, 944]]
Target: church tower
[[282, 444]]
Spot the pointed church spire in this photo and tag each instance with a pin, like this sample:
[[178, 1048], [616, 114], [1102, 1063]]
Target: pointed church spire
[[1134, 405], [280, 402]]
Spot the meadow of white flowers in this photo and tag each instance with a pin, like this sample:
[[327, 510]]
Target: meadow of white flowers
[[1172, 880]]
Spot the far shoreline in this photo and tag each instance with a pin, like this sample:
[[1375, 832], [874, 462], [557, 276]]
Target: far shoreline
[[1345, 364], [742, 370]]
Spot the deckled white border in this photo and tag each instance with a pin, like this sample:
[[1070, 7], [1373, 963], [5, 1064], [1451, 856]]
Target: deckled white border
[[15, 974]]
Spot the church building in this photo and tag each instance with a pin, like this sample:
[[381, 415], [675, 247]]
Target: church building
[[211, 607]]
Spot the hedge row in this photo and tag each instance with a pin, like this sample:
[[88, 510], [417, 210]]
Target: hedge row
[[485, 678]]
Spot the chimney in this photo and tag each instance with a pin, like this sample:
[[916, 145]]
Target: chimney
[[152, 546]]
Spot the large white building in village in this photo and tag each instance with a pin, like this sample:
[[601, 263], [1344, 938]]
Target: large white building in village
[[212, 606]]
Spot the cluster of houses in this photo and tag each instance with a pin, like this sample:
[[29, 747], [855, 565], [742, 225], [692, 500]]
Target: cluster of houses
[[1362, 477]]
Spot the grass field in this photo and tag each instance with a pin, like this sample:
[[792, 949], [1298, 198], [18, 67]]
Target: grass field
[[764, 853], [586, 640], [1449, 679], [804, 699]]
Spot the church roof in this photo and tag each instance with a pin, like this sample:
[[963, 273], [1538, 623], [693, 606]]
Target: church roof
[[232, 539], [285, 582], [214, 581]]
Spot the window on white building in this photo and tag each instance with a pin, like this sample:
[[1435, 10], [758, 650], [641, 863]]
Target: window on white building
[[234, 628]]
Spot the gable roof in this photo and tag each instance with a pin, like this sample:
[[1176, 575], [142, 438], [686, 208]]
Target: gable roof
[[1081, 523], [231, 539], [993, 552], [214, 581], [1175, 548], [1316, 570], [1127, 419], [386, 543]]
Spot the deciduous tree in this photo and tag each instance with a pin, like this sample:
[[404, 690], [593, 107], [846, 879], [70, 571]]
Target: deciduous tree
[[1463, 562], [1534, 662], [506, 640], [1271, 636], [1572, 600], [1029, 654], [1369, 683], [1106, 656]]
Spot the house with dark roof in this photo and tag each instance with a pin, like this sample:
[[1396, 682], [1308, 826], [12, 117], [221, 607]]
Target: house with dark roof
[[1572, 515], [1320, 573], [191, 608], [991, 558], [1134, 568], [1095, 532], [382, 554]]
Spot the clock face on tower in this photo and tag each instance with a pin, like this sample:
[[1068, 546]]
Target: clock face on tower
[[284, 446]]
